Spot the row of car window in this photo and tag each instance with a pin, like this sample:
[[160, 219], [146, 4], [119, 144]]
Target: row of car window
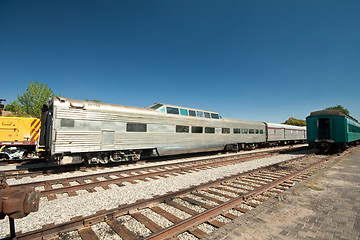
[[142, 127], [186, 112]]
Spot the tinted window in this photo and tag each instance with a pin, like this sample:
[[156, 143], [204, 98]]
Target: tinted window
[[251, 131], [200, 114], [209, 130], [353, 128], [236, 130], [192, 113], [257, 131], [136, 127], [261, 131], [244, 131], [207, 115], [180, 128], [172, 110], [67, 123], [183, 112], [226, 130], [156, 106], [195, 129], [215, 115]]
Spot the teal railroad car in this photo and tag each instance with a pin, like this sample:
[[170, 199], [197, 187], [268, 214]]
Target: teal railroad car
[[332, 130]]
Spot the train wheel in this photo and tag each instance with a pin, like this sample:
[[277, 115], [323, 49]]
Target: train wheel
[[104, 160]]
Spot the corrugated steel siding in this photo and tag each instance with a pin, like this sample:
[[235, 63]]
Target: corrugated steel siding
[[86, 132]]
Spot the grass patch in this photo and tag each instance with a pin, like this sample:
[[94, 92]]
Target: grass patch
[[316, 188]]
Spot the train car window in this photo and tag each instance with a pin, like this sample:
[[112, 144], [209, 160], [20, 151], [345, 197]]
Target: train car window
[[67, 123], [182, 129], [192, 113], [251, 131], [184, 112], [200, 114], [136, 127], [162, 109], [207, 115], [215, 116], [226, 130], [172, 110], [353, 128], [156, 106], [261, 131], [244, 131], [209, 130], [257, 131], [195, 129], [237, 130]]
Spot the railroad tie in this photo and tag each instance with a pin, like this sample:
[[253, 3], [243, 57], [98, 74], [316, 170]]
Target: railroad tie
[[181, 207], [229, 215], [241, 209], [88, 234], [219, 194], [195, 202], [166, 214], [208, 197], [121, 230], [198, 233], [226, 189], [147, 222], [216, 223]]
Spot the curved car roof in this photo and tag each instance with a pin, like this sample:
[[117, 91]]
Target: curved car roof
[[331, 112]]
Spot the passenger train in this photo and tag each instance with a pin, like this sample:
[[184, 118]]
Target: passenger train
[[75, 131]]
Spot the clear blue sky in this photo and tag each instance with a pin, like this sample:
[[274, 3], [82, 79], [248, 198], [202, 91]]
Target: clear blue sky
[[253, 60]]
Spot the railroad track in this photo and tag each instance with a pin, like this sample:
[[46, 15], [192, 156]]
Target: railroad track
[[54, 169], [192, 212], [88, 182]]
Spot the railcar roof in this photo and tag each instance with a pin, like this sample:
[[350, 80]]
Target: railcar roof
[[331, 112], [279, 125], [157, 107]]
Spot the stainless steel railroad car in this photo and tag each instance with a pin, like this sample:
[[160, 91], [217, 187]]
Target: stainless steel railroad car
[[76, 131], [284, 134], [332, 130]]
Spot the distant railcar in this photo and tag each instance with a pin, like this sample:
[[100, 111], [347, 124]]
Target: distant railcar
[[281, 134], [332, 130], [18, 137], [75, 131]]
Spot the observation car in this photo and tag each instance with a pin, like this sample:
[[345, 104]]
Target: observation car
[[332, 130], [75, 131]]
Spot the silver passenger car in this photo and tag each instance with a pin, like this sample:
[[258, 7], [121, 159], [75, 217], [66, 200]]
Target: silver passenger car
[[284, 134], [75, 131]]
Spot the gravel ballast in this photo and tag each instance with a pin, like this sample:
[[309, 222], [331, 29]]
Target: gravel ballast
[[62, 210]]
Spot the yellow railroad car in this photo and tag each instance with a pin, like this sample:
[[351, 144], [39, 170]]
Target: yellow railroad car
[[18, 137]]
